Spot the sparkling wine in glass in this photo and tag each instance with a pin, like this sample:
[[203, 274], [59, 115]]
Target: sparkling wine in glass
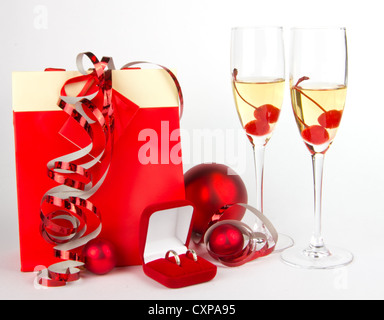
[[258, 82], [318, 83]]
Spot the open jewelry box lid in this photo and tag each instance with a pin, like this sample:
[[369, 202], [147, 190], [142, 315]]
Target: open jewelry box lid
[[164, 227]]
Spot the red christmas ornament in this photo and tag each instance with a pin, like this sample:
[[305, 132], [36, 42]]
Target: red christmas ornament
[[210, 187], [226, 240], [100, 256]]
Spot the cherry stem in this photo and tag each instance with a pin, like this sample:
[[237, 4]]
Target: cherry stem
[[235, 72], [302, 122], [296, 87]]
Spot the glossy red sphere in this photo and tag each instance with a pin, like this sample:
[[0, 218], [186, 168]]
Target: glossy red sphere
[[100, 256], [210, 187], [226, 240]]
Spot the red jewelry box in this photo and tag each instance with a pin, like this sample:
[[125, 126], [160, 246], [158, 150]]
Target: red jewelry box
[[165, 227]]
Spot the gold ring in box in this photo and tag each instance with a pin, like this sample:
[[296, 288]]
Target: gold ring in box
[[177, 258]]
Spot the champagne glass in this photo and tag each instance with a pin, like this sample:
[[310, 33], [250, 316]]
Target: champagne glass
[[258, 82], [318, 81]]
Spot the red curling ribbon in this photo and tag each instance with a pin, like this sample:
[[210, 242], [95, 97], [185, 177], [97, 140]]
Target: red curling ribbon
[[65, 209], [262, 237]]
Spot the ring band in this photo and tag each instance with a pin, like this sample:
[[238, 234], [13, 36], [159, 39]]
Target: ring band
[[194, 254], [177, 258]]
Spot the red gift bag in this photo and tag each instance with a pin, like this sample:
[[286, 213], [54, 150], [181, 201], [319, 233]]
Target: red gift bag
[[144, 168]]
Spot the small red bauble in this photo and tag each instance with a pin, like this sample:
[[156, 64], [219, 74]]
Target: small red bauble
[[99, 256], [210, 187], [226, 240]]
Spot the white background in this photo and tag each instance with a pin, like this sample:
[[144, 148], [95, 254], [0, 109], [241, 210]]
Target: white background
[[193, 37]]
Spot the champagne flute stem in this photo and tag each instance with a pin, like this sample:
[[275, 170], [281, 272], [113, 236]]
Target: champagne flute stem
[[317, 247], [259, 153]]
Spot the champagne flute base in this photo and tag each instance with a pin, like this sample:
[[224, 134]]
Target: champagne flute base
[[312, 258]]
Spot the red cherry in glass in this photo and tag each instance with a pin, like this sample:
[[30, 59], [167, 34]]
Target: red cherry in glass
[[315, 135], [258, 127], [330, 119], [267, 112], [226, 240]]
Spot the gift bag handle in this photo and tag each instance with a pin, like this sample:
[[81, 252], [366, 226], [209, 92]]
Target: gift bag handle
[[174, 78]]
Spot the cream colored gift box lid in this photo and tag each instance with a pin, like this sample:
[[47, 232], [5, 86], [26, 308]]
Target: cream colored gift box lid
[[40, 91]]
